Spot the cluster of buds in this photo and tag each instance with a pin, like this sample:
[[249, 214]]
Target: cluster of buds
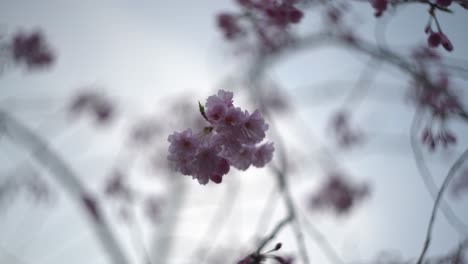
[[271, 18], [231, 139], [437, 38], [433, 139], [258, 258]]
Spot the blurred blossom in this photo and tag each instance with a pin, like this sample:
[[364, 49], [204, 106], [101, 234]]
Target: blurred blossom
[[31, 49], [25, 182], [145, 131], [95, 104], [117, 188], [269, 22], [338, 194], [460, 184], [152, 208], [345, 135]]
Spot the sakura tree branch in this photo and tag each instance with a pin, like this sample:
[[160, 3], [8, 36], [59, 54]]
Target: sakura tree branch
[[283, 186], [65, 176], [267, 212], [376, 52], [452, 172], [217, 222], [428, 180], [137, 236], [273, 233], [322, 242]]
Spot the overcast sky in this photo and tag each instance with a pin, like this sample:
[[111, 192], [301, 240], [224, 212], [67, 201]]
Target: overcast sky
[[142, 52]]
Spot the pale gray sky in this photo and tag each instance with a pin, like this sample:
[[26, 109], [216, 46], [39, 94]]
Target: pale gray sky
[[140, 52]]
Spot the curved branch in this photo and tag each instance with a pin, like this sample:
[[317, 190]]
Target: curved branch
[[65, 176], [428, 180], [458, 163]]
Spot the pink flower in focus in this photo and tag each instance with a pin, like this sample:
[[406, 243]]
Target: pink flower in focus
[[207, 162], [243, 158], [217, 105], [252, 130], [183, 144], [230, 139], [263, 154], [232, 118]]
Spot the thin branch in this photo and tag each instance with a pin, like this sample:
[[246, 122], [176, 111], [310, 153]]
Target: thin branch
[[267, 211], [322, 242], [137, 236], [274, 232], [428, 180], [65, 176], [219, 220], [283, 186], [452, 172]]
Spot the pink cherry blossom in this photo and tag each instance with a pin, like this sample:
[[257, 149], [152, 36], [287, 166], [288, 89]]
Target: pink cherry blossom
[[230, 140], [253, 127], [263, 154], [184, 143], [243, 158]]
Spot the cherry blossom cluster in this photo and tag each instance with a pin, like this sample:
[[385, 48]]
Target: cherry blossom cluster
[[433, 91], [232, 138], [93, 103], [31, 49], [270, 19], [439, 97], [338, 194], [345, 135]]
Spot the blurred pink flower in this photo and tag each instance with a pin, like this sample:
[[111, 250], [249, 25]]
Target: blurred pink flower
[[338, 194]]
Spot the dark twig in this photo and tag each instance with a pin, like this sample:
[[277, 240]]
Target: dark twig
[[273, 233], [428, 180], [322, 242], [458, 163]]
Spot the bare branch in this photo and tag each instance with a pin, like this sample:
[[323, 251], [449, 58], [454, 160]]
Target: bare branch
[[458, 163], [65, 176]]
